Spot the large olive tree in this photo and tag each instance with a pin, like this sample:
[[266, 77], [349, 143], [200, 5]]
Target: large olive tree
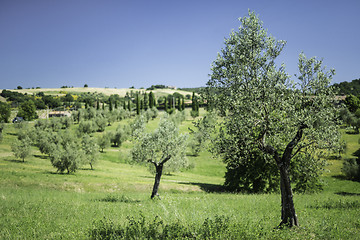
[[264, 110]]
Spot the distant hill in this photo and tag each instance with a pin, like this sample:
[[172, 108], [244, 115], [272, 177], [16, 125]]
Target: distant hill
[[347, 88], [107, 91]]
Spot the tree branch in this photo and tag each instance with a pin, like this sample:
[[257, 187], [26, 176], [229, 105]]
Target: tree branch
[[164, 160], [300, 148], [290, 147], [151, 161]]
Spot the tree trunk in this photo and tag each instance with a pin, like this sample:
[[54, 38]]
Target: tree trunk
[[288, 215], [159, 169]]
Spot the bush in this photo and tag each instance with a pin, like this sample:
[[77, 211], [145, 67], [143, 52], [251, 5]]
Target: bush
[[351, 169]]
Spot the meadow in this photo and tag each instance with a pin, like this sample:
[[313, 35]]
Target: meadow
[[112, 200]]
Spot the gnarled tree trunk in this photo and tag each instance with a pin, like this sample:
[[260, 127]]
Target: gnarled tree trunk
[[288, 215], [159, 168]]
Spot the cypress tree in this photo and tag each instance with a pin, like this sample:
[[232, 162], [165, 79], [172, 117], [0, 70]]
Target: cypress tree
[[193, 102], [146, 101], [166, 105], [137, 104], [151, 100], [110, 106], [129, 105]]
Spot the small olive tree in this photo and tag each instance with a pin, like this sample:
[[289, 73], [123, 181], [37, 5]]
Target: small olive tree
[[104, 141], [90, 150], [163, 146], [22, 148]]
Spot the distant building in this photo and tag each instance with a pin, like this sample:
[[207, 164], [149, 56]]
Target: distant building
[[17, 120], [59, 114]]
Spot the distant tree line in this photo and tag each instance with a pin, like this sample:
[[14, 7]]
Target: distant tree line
[[347, 88]]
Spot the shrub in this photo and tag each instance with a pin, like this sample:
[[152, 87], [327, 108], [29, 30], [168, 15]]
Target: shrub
[[351, 169]]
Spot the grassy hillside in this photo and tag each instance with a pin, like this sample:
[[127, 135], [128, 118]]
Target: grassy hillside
[[106, 91], [38, 203]]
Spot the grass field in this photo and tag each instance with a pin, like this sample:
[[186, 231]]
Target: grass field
[[38, 203]]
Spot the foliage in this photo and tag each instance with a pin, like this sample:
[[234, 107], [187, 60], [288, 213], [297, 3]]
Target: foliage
[[5, 112], [264, 111], [351, 169], [352, 102], [204, 128], [22, 148], [27, 110], [51, 102], [254, 174], [347, 88], [350, 119]]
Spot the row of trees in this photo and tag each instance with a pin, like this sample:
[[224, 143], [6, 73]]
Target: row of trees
[[28, 105]]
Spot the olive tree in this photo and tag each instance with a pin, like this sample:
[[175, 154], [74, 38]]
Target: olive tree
[[262, 109], [163, 146], [22, 148], [104, 141], [90, 150], [67, 155]]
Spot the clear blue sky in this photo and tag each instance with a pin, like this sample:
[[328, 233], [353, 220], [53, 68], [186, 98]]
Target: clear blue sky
[[116, 43]]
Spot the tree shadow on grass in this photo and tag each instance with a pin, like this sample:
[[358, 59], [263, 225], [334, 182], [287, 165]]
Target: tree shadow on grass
[[14, 160], [58, 173], [347, 194], [210, 188], [352, 132], [41, 156], [340, 177]]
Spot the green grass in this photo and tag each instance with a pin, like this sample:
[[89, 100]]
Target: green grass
[[38, 203]]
